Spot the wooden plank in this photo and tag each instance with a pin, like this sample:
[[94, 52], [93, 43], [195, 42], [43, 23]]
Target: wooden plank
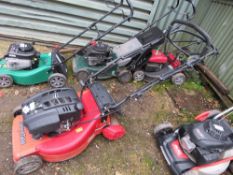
[[227, 101], [214, 79]]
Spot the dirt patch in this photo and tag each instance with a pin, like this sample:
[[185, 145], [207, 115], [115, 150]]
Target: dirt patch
[[192, 101]]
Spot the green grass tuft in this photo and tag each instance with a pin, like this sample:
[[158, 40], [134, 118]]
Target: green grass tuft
[[149, 161], [191, 85]]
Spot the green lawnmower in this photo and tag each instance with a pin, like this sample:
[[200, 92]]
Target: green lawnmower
[[23, 65]]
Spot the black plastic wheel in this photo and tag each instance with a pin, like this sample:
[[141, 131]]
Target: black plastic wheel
[[57, 80], [17, 110], [139, 75], [82, 74], [163, 129], [124, 76], [28, 165], [5, 81]]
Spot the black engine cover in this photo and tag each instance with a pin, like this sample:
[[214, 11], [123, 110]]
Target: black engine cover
[[52, 111], [97, 54], [211, 138], [23, 51]]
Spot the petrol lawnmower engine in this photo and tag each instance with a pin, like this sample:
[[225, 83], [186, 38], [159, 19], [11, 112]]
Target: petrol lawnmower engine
[[158, 60], [51, 112], [207, 141], [21, 56], [97, 54]]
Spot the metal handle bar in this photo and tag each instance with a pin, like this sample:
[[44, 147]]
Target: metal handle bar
[[163, 77], [203, 34], [169, 12], [130, 7], [222, 114], [101, 19], [129, 4], [94, 24], [193, 8], [191, 15], [160, 18]]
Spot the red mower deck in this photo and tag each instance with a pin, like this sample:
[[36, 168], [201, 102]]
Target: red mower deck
[[68, 144]]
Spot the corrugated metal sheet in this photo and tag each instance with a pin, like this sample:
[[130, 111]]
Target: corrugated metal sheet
[[160, 7], [218, 22], [59, 20]]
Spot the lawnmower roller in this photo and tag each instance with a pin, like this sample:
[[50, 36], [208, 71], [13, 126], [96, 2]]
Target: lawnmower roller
[[204, 147]]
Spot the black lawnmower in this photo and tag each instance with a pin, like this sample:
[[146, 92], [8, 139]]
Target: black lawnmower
[[194, 45], [132, 57], [204, 147]]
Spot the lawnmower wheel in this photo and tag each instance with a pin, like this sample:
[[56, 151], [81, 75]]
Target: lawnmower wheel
[[57, 80], [82, 74], [231, 167], [124, 76], [28, 165], [5, 81], [139, 75], [17, 110], [178, 79], [163, 129]]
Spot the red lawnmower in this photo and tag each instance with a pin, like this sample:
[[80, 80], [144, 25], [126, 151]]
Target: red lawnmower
[[204, 147], [55, 125], [58, 124], [160, 63]]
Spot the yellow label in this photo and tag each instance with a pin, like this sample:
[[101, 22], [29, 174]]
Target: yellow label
[[79, 130]]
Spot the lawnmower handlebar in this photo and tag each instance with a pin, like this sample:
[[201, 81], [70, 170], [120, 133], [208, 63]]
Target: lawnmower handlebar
[[188, 14], [203, 35], [222, 114], [130, 7], [193, 9], [177, 4], [138, 93]]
